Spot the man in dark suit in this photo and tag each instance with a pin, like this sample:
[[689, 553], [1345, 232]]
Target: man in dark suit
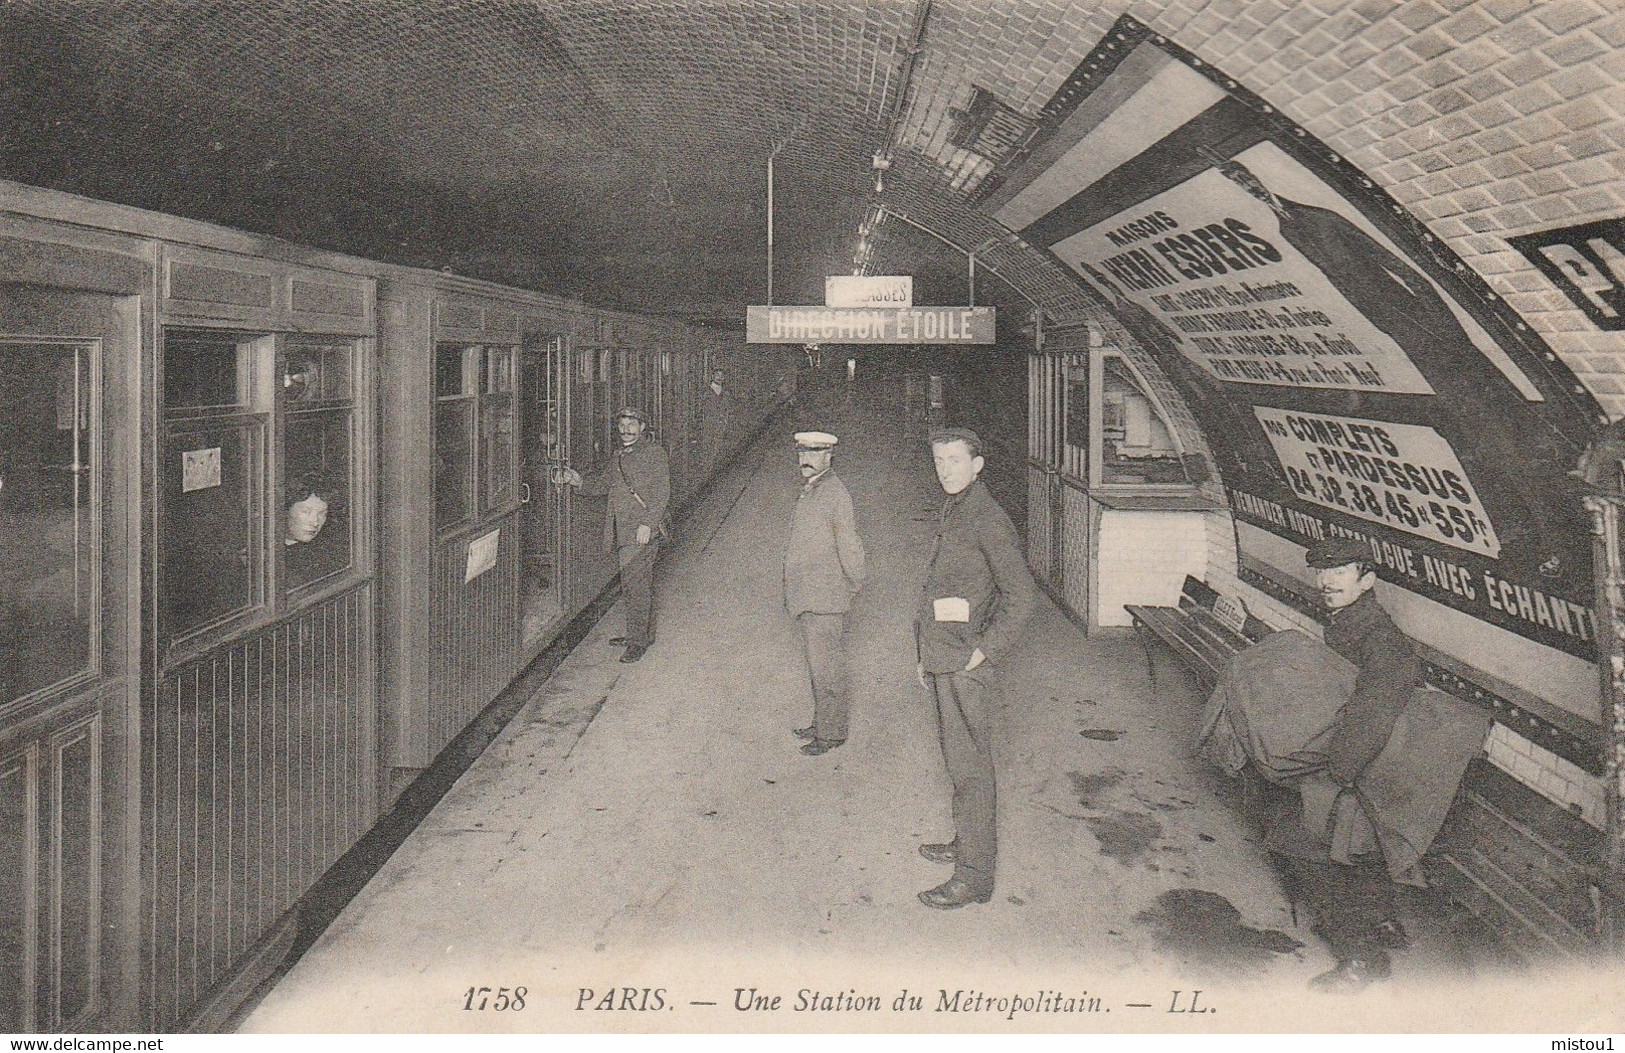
[[637, 480], [823, 570], [978, 594], [1354, 902]]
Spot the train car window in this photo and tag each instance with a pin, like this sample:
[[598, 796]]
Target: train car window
[[498, 422], [205, 369], [212, 560], [317, 457], [49, 479], [212, 479], [476, 450], [456, 399], [316, 371]]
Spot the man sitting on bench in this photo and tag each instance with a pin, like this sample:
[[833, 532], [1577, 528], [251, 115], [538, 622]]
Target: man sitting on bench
[[1367, 760], [1353, 902]]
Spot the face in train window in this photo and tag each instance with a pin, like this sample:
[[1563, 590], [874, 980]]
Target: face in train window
[[316, 498], [317, 443]]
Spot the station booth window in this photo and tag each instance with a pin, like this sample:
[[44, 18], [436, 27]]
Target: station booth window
[[258, 476], [1116, 508], [1136, 445]]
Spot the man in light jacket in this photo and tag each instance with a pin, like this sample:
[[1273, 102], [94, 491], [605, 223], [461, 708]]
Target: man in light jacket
[[823, 570]]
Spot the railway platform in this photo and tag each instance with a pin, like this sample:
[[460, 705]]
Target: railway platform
[[647, 838]]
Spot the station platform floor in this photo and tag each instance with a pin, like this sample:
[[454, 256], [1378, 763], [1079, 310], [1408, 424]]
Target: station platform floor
[[645, 849]]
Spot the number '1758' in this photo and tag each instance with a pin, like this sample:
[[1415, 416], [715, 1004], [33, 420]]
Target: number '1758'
[[499, 1000]]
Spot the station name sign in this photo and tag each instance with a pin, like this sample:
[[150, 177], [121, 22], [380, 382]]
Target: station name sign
[[1587, 262], [837, 325], [869, 290]]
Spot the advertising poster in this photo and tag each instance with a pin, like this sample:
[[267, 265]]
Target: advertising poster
[[1348, 382]]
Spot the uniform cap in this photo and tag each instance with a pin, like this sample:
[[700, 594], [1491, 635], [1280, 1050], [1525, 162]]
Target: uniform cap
[[815, 440], [1337, 552], [965, 435], [633, 412]]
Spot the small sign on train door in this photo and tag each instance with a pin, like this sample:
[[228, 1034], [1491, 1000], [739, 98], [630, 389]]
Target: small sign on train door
[[200, 469], [482, 555]]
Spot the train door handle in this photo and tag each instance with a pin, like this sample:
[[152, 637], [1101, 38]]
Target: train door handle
[[524, 493]]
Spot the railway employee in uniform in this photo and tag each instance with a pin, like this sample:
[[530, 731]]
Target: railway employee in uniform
[[638, 482], [714, 421], [978, 595], [823, 570]]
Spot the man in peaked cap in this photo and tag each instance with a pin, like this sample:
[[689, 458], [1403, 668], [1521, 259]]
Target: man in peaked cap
[[1353, 903], [637, 480], [978, 594], [823, 570]]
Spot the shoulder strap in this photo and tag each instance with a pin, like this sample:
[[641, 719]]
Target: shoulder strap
[[620, 467]]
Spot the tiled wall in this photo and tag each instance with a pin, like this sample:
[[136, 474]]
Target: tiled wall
[[1485, 118], [1144, 557]]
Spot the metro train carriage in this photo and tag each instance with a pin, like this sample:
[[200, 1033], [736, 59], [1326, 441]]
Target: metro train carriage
[[276, 525]]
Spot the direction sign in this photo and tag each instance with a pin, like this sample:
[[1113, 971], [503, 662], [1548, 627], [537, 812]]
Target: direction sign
[[833, 325]]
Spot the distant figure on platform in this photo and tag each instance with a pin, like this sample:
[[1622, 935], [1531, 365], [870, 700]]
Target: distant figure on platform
[[823, 570], [978, 595], [1370, 760], [714, 421], [638, 482]]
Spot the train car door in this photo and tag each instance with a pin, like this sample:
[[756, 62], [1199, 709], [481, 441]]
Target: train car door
[[542, 366], [592, 393], [69, 647]]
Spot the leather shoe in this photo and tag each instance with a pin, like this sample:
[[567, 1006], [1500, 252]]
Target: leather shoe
[[633, 653], [953, 894], [948, 853], [1352, 976], [808, 733], [1391, 935], [818, 747]]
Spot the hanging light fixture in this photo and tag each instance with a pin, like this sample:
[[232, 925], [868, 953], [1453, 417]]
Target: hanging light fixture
[[881, 164]]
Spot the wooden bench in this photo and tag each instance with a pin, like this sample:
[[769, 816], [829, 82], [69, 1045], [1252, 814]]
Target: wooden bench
[[1203, 631], [1532, 872]]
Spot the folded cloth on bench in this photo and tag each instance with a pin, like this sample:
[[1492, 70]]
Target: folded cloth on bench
[[1401, 799], [1274, 705]]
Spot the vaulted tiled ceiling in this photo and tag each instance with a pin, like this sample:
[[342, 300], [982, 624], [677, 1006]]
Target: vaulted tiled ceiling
[[607, 149]]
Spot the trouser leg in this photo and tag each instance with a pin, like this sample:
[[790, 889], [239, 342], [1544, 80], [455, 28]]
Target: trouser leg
[[821, 635], [1349, 903], [637, 591], [964, 729]]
